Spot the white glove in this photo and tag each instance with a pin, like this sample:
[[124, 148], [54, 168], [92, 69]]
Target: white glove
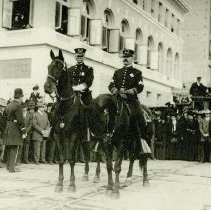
[[80, 87]]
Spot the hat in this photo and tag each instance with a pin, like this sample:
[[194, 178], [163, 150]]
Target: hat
[[18, 93], [80, 51], [31, 105], [40, 104], [207, 111], [127, 53], [3, 102], [158, 113], [36, 87]]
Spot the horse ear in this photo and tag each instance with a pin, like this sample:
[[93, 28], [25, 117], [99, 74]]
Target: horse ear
[[52, 55], [61, 55]]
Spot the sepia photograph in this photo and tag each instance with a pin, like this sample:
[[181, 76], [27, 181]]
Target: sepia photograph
[[105, 104]]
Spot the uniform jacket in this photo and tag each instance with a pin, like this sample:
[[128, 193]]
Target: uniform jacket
[[40, 123], [15, 122], [82, 74], [128, 78], [205, 128], [159, 130], [3, 121], [198, 90]]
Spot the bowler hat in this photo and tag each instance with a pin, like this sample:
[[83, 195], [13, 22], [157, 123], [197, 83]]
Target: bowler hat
[[18, 93], [127, 53]]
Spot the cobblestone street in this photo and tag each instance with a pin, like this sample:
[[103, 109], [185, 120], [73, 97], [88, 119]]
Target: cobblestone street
[[173, 185]]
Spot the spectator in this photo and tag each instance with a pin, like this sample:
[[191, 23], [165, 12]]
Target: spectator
[[41, 125], [35, 95], [28, 120]]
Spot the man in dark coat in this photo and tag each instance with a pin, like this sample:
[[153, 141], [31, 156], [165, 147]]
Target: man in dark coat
[[198, 89], [82, 76], [14, 129], [127, 82]]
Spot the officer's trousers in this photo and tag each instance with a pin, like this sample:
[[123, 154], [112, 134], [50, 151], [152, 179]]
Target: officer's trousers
[[11, 153]]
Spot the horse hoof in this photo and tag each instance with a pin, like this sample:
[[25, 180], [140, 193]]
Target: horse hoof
[[96, 179], [115, 195], [72, 188], [85, 177], [59, 188], [128, 181], [146, 183]]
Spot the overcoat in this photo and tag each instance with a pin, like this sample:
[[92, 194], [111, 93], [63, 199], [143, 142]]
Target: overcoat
[[14, 125]]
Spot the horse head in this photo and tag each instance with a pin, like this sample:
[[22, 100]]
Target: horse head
[[55, 70]]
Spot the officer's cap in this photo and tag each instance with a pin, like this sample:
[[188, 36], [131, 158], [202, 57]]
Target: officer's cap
[[127, 53], [80, 51], [31, 105]]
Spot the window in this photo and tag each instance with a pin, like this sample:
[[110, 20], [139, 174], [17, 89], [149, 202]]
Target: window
[[61, 18], [17, 14], [107, 24], [160, 12], [176, 66], [172, 23], [169, 63], [167, 18], [160, 57], [87, 13], [124, 32], [139, 41], [158, 97], [150, 48], [153, 7], [148, 94]]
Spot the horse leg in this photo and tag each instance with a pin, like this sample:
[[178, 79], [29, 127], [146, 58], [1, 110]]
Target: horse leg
[[59, 185], [143, 165], [117, 169], [86, 151], [128, 180], [97, 174], [73, 146]]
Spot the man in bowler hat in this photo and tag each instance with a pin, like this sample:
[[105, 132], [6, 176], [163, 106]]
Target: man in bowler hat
[[14, 129]]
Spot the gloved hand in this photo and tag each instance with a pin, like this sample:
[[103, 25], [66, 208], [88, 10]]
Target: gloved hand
[[129, 91], [114, 91], [80, 87]]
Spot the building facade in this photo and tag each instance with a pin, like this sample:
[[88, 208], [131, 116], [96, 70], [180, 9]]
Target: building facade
[[196, 33], [30, 28]]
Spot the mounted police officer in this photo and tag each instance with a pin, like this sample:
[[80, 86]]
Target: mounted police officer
[[14, 129], [82, 76], [127, 82]]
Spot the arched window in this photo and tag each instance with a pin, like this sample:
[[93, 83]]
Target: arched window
[[150, 48], [135, 2], [169, 63], [160, 57], [138, 42], [108, 21], [88, 10], [176, 66], [124, 32], [153, 8]]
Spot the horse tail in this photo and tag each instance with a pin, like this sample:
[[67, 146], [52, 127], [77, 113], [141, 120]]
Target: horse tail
[[142, 160]]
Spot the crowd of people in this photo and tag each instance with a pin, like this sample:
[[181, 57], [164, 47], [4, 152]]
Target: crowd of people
[[183, 136]]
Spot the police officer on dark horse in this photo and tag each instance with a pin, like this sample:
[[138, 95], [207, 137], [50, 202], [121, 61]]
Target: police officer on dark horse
[[69, 117]]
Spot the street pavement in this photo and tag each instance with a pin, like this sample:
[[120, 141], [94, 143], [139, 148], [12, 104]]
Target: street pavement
[[174, 185]]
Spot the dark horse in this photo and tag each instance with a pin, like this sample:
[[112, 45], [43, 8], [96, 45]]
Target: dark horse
[[67, 118], [114, 126]]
